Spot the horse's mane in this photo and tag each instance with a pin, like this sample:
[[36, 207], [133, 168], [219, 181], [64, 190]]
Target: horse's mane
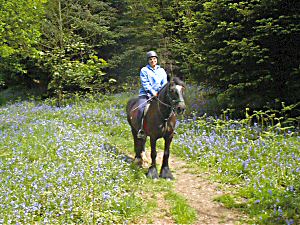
[[178, 81]]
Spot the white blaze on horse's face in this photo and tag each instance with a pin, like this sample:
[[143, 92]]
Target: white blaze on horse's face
[[180, 108]]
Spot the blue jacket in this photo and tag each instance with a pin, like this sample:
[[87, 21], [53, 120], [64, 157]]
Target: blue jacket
[[152, 80]]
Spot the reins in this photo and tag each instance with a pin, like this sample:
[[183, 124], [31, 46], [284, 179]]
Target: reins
[[148, 100], [165, 104]]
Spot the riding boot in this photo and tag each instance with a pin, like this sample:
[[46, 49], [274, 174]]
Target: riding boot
[[141, 133]]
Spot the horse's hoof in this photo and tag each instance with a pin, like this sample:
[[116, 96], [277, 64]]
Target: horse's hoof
[[166, 173], [152, 173]]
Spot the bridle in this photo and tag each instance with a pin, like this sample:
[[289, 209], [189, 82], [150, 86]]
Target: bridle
[[173, 102]]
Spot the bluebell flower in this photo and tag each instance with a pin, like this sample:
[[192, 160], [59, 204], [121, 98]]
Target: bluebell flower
[[270, 192], [289, 221], [106, 195], [245, 164]]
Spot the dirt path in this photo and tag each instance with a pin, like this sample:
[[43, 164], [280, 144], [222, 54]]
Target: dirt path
[[200, 194]]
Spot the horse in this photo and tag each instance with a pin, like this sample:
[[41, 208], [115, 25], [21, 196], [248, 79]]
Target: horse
[[159, 122]]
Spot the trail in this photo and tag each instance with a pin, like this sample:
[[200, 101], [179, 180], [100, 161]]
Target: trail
[[199, 192]]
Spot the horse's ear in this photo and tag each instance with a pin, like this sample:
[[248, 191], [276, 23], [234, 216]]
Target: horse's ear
[[172, 83], [168, 77]]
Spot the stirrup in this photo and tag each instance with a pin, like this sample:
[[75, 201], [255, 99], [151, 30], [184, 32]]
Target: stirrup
[[141, 134]]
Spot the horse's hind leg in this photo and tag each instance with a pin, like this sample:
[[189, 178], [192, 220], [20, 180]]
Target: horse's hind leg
[[165, 171], [152, 172], [139, 147]]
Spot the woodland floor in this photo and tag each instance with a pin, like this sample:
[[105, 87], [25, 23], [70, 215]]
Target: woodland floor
[[199, 191]]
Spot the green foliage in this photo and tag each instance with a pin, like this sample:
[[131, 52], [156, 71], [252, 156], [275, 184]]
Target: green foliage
[[143, 28], [67, 74], [19, 27], [58, 41], [18, 93], [73, 34], [19, 34], [247, 49], [70, 21]]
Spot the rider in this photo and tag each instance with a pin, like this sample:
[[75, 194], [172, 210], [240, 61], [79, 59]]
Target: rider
[[153, 78]]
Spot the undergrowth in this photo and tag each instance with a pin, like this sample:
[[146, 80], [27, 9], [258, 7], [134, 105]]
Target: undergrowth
[[258, 155], [69, 164]]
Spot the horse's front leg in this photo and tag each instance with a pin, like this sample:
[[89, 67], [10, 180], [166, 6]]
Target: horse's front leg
[[152, 172], [165, 171]]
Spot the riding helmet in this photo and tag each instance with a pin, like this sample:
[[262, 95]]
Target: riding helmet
[[151, 54]]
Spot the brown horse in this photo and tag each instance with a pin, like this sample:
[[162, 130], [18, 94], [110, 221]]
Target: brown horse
[[159, 122]]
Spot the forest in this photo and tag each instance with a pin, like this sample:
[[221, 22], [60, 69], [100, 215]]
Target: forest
[[68, 69], [244, 54]]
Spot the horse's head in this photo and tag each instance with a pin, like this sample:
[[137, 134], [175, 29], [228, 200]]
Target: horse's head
[[176, 93]]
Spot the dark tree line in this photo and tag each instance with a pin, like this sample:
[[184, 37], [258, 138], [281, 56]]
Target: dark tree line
[[247, 51]]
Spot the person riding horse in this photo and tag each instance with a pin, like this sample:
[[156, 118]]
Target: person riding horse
[[166, 99], [153, 78]]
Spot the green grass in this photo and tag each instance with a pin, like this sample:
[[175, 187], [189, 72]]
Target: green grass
[[230, 201], [180, 209]]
